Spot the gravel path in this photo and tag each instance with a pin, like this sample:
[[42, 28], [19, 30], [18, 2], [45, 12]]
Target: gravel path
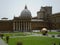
[[2, 42]]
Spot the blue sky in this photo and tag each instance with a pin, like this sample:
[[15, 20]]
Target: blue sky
[[11, 8]]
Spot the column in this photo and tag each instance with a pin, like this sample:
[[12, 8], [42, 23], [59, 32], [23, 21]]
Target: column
[[30, 26], [16, 26], [19, 25], [26, 26], [13, 26]]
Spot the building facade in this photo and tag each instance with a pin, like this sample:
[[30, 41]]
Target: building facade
[[26, 23]]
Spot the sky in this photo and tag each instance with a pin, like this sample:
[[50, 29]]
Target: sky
[[11, 8]]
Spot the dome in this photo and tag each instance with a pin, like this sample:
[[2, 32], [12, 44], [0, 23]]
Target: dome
[[26, 13]]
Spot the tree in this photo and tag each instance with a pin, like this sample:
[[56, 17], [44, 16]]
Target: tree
[[7, 39], [19, 43]]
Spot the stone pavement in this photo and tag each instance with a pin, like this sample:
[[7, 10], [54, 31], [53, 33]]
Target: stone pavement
[[2, 42]]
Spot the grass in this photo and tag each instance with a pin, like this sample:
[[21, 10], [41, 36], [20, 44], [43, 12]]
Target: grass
[[11, 34], [53, 32], [48, 32], [34, 40], [15, 34]]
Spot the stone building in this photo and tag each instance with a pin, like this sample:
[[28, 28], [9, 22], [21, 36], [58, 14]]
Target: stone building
[[26, 23]]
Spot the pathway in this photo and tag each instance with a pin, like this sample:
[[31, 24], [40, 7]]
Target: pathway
[[2, 42]]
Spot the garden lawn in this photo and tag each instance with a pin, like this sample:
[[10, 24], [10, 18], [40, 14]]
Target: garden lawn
[[22, 33], [48, 32], [34, 40], [14, 34], [53, 32]]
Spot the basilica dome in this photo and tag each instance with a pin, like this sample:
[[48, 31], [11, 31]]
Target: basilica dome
[[26, 13]]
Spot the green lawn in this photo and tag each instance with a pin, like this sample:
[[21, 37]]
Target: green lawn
[[48, 32], [14, 34], [53, 32], [22, 33], [34, 40]]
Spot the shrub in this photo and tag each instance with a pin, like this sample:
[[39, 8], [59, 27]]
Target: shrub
[[19, 43]]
